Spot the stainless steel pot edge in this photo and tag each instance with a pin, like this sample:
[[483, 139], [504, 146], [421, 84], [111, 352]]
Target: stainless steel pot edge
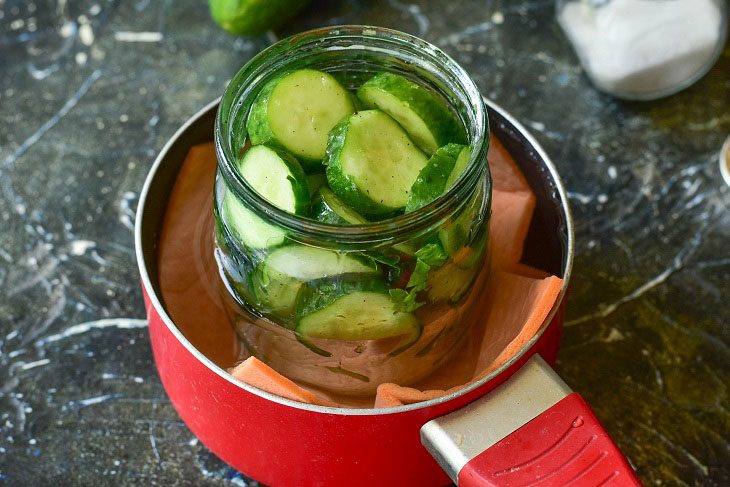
[[144, 276]]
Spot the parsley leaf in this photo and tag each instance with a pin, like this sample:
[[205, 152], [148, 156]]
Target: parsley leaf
[[432, 254], [420, 274], [405, 301], [377, 257], [428, 256]]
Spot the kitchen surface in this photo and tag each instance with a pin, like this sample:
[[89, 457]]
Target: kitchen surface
[[90, 91]]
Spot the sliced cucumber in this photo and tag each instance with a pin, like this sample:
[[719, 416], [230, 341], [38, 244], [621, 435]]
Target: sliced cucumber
[[352, 310], [474, 254], [372, 163], [278, 178], [453, 237], [426, 119], [458, 232], [328, 208], [432, 180], [450, 282], [296, 111], [454, 279], [316, 181], [247, 227], [277, 280], [461, 162]]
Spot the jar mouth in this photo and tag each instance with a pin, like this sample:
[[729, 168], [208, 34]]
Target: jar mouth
[[400, 52]]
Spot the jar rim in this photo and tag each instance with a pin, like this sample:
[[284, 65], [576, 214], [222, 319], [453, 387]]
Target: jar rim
[[396, 228]]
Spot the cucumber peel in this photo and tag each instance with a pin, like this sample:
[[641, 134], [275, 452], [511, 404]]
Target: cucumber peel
[[246, 227], [442, 169], [372, 163], [352, 310], [296, 111], [426, 119], [277, 177], [278, 279], [328, 208]]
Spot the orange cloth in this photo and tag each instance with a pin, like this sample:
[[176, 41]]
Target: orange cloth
[[256, 373], [518, 297], [508, 225], [506, 176], [394, 395], [182, 243], [519, 307]]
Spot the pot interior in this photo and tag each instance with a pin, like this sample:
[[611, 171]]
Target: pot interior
[[549, 241]]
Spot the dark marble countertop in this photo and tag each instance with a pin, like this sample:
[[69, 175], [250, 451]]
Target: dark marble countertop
[[91, 90]]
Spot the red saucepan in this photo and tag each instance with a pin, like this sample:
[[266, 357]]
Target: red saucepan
[[520, 425]]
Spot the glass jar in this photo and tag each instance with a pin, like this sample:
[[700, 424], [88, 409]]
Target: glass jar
[[645, 49], [263, 304]]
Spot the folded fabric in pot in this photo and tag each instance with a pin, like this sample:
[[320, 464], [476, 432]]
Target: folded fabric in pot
[[254, 372], [516, 302], [506, 176], [523, 305], [508, 225]]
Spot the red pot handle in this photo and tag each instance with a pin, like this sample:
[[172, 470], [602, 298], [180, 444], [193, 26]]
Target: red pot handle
[[531, 431]]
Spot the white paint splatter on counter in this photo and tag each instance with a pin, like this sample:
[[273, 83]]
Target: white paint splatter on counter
[[125, 36], [79, 247], [37, 363], [123, 323]]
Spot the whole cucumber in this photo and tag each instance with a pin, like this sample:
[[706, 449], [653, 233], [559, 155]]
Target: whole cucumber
[[253, 17]]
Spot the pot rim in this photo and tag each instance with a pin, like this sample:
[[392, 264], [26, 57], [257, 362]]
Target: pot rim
[[159, 308]]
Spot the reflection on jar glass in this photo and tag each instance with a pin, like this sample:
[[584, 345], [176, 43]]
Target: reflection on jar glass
[[405, 289], [645, 49]]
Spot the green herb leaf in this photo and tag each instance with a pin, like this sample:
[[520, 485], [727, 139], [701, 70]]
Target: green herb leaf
[[427, 256], [376, 257], [420, 274], [405, 301], [432, 254]]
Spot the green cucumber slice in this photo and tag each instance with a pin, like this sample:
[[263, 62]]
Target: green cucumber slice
[[450, 282], [474, 254], [328, 208], [372, 163], [278, 279], [296, 111], [247, 227], [461, 162], [277, 177], [426, 119], [458, 232], [316, 181], [352, 310], [433, 180], [454, 279], [453, 237]]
